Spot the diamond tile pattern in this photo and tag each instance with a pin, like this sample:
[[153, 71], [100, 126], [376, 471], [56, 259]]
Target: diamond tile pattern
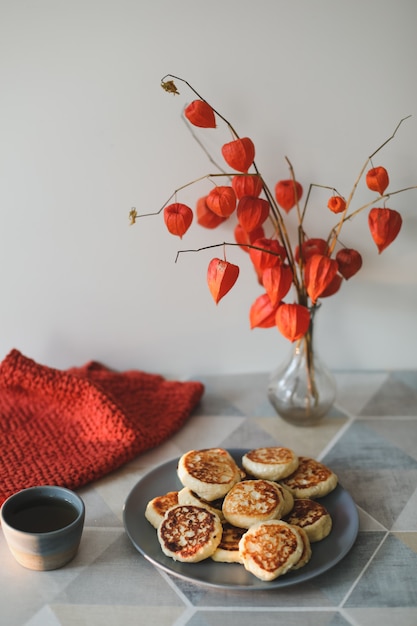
[[369, 439]]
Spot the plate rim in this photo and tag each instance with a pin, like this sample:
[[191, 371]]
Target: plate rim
[[296, 577]]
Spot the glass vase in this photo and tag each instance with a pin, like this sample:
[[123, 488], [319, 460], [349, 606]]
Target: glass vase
[[302, 390]]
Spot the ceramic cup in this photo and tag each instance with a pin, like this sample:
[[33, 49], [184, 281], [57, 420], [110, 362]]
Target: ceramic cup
[[43, 526]]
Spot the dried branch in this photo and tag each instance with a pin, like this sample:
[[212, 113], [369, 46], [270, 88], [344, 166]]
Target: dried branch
[[224, 244], [342, 220]]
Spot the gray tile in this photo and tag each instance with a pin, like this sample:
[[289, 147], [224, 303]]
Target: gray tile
[[305, 595], [216, 405], [401, 433], [383, 617], [97, 512], [266, 618], [380, 476], [248, 431], [242, 394], [26, 591], [407, 520], [355, 389], [141, 583], [390, 579], [398, 396], [337, 620], [408, 377], [337, 582], [382, 494], [362, 447]]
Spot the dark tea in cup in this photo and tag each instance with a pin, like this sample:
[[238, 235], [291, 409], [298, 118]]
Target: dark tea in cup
[[43, 526], [43, 515]]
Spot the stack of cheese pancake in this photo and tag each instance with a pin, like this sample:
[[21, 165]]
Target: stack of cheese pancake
[[263, 514]]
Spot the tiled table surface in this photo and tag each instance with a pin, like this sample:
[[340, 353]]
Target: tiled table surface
[[369, 439]]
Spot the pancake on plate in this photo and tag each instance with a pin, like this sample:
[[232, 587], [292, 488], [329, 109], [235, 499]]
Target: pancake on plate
[[189, 533], [311, 479], [252, 501], [272, 463], [209, 473], [228, 549], [307, 552], [186, 496], [312, 516], [269, 549], [288, 500], [158, 506]]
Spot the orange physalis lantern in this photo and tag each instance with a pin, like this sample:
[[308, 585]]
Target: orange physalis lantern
[[287, 193], [247, 185], [178, 218], [252, 212], [337, 204], [222, 201], [318, 274], [221, 276], [349, 262], [384, 224], [268, 252], [200, 113], [239, 154], [333, 287], [243, 238], [292, 320], [262, 312], [277, 281], [315, 245], [377, 179], [206, 217]]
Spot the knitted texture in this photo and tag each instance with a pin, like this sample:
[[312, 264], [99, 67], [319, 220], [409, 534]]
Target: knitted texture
[[72, 427]]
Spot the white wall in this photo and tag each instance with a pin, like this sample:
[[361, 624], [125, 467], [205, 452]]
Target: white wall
[[86, 133]]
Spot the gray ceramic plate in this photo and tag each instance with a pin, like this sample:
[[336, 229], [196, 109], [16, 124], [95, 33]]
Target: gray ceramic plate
[[163, 478]]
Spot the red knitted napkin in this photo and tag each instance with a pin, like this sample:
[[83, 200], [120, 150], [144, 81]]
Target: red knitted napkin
[[71, 427]]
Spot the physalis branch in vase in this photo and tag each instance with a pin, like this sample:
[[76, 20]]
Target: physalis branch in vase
[[295, 275]]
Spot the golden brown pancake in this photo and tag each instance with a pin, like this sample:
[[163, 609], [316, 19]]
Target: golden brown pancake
[[210, 473], [269, 549], [306, 553], [312, 516], [272, 463], [252, 501], [288, 500], [158, 506], [311, 479], [186, 496], [228, 549], [189, 533]]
